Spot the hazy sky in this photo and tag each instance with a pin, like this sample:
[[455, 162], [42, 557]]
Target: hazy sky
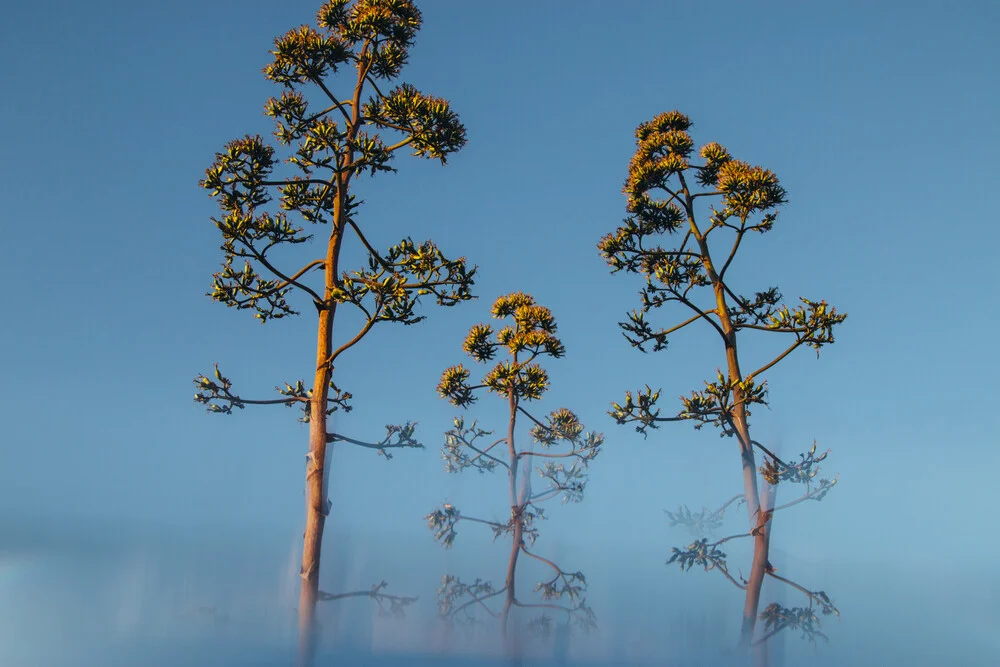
[[879, 118]]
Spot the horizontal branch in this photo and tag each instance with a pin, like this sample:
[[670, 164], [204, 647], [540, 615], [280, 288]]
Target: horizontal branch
[[574, 452], [336, 437], [403, 434], [330, 597], [274, 401], [492, 524], [303, 181], [375, 593], [764, 327], [545, 605], [213, 393]]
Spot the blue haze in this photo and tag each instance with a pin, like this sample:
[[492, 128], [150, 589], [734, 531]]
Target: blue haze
[[880, 120]]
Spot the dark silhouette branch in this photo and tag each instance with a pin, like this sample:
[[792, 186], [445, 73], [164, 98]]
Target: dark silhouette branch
[[378, 91], [298, 181], [372, 252], [531, 417], [764, 327], [769, 453], [732, 254], [384, 444], [492, 524], [397, 602], [336, 102], [403, 434], [575, 453], [704, 314], [259, 256]]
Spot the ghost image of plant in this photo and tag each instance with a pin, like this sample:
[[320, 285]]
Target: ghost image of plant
[[705, 552], [710, 209], [561, 460]]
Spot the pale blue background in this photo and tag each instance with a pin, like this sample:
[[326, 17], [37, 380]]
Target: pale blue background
[[879, 118]]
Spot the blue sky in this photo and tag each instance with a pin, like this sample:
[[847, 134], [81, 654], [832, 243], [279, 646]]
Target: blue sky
[[879, 119]]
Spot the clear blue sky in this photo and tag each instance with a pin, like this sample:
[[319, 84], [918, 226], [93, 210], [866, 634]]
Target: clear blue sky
[[879, 118]]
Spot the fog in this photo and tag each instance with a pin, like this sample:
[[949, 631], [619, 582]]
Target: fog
[[80, 593]]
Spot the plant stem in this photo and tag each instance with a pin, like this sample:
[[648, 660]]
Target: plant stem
[[515, 517]]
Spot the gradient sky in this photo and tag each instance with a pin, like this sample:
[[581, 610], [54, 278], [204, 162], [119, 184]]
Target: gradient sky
[[879, 118]]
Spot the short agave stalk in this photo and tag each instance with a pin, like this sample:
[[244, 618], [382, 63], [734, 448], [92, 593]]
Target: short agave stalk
[[564, 452]]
